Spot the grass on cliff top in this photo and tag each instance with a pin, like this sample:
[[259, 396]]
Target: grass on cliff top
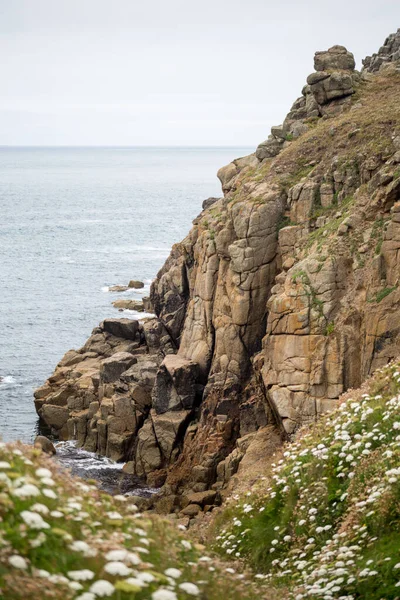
[[62, 538], [327, 523], [365, 129]]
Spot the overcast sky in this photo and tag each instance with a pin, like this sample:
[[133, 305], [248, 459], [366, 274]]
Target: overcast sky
[[167, 72]]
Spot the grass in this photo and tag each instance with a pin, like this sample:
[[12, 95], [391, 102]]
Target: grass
[[326, 522], [379, 296], [56, 535]]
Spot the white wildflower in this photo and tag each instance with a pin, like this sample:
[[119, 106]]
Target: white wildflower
[[163, 594], [102, 588], [18, 562], [34, 520], [26, 491], [117, 568], [174, 573], [42, 472], [82, 575], [189, 588]]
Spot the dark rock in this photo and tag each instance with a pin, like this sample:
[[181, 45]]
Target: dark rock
[[209, 202], [122, 328], [137, 285]]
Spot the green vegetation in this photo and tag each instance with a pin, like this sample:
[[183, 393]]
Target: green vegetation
[[325, 524], [61, 538], [383, 293], [330, 328]]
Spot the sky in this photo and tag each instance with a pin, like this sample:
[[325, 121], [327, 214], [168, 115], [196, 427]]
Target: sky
[[168, 72]]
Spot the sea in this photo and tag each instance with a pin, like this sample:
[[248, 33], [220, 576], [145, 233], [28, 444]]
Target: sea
[[73, 222]]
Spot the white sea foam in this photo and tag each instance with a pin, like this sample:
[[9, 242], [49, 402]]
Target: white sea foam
[[105, 288], [7, 379]]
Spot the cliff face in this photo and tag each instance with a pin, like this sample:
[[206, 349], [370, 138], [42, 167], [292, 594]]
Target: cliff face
[[283, 295]]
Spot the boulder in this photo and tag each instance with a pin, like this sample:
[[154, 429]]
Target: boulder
[[122, 328], [192, 510], [45, 444], [202, 498], [336, 58], [55, 416], [209, 202], [137, 285], [128, 304]]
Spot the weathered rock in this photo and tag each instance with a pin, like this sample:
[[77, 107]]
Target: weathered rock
[[123, 328], [202, 498], [192, 510], [175, 385], [112, 368], [136, 284], [336, 58], [45, 444], [128, 305]]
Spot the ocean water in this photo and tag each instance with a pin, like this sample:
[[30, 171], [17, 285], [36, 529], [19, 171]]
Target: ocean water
[[74, 221]]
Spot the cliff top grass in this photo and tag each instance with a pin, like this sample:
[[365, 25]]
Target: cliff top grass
[[365, 129], [325, 524], [62, 538]]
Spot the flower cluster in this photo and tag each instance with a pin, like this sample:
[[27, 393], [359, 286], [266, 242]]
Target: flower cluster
[[325, 525]]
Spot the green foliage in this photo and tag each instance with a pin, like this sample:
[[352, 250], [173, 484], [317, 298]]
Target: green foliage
[[383, 293], [284, 221], [330, 328]]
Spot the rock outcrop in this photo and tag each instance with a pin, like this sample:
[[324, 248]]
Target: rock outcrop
[[283, 295]]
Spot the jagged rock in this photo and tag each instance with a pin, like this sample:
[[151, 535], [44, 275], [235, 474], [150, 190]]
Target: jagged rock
[[123, 328], [169, 428], [175, 385], [45, 444], [388, 53], [209, 202], [112, 368]]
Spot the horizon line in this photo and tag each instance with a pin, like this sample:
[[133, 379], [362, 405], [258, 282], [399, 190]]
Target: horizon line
[[123, 146]]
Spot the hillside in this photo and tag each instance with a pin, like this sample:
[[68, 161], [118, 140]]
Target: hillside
[[283, 296]]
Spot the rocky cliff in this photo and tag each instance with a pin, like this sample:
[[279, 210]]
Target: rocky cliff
[[283, 295]]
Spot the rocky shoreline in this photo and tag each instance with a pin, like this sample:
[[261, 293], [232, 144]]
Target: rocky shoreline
[[283, 296]]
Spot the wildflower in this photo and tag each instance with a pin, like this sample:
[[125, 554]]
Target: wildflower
[[4, 464], [26, 491], [189, 588], [86, 596], [117, 568], [82, 575], [18, 562], [49, 494], [163, 594], [34, 520], [80, 546], [42, 472], [174, 573], [40, 508], [102, 588]]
